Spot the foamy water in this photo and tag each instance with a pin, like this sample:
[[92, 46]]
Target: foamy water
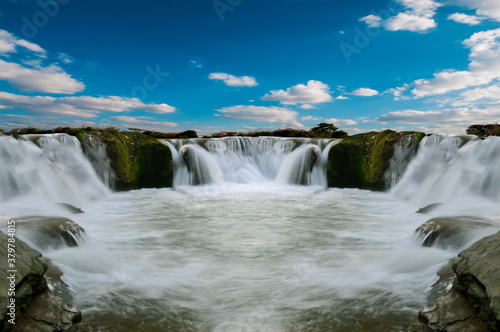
[[261, 255]]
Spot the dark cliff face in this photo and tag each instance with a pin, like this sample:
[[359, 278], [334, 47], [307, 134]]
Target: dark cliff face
[[138, 161], [361, 161]]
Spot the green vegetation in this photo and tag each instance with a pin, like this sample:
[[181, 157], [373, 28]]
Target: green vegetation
[[322, 130], [76, 131]]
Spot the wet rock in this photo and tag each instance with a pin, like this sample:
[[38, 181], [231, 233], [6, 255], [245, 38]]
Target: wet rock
[[30, 267], [473, 304], [37, 308], [137, 160], [361, 161], [452, 232], [478, 276], [451, 312], [50, 232]]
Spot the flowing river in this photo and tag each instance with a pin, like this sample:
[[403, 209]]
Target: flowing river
[[250, 238]]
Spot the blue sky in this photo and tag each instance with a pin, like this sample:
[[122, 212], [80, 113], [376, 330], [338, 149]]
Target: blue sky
[[172, 65]]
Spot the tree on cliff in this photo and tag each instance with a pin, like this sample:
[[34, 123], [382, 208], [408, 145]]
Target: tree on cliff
[[483, 131], [328, 130]]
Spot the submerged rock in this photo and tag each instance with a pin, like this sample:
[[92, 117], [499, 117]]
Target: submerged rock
[[71, 208], [428, 208], [452, 232], [50, 232]]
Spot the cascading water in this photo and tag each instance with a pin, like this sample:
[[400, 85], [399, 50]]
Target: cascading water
[[246, 251], [49, 168], [451, 168], [250, 160]]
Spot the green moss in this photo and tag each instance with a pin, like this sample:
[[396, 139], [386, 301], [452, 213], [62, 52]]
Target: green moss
[[360, 161], [138, 160]]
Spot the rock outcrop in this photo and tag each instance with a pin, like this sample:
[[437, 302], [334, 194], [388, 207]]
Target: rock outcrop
[[36, 307], [452, 232], [138, 160], [361, 161], [49, 232], [473, 303]]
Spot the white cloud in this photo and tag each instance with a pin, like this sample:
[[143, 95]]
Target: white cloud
[[306, 106], [464, 18], [143, 121], [309, 118], [9, 43], [64, 58], [488, 8], [458, 116], [484, 67], [342, 98], [410, 22], [373, 21], [50, 79], [364, 92], [492, 92], [261, 114], [232, 80], [195, 64], [82, 106], [313, 92], [418, 16], [341, 122]]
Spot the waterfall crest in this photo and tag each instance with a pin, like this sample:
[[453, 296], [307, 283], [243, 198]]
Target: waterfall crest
[[449, 167], [52, 167], [250, 160]]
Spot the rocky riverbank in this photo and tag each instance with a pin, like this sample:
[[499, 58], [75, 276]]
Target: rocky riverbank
[[26, 302], [473, 302]]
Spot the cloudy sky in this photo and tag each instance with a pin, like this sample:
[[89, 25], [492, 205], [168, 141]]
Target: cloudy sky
[[216, 65]]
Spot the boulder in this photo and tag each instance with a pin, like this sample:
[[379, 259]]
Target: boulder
[[478, 276], [50, 232], [50, 313], [451, 312], [473, 303], [452, 232], [30, 267], [37, 309]]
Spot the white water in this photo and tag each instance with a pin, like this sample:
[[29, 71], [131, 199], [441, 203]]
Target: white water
[[251, 253], [46, 169], [250, 160]]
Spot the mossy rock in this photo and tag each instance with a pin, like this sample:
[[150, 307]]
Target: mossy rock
[[139, 161], [361, 161]]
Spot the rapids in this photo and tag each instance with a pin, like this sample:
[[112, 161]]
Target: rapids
[[250, 238]]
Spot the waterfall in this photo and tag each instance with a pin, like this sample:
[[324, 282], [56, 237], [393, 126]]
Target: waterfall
[[50, 167], [250, 160], [452, 167]]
